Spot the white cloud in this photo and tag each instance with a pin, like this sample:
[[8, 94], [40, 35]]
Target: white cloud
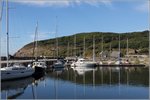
[[143, 7], [43, 2], [97, 2], [62, 2]]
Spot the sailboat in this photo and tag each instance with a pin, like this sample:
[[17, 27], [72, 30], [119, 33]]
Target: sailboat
[[16, 70], [75, 57], [82, 62], [39, 66], [118, 62], [127, 61], [60, 62]]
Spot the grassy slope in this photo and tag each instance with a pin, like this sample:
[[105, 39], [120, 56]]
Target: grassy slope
[[137, 40]]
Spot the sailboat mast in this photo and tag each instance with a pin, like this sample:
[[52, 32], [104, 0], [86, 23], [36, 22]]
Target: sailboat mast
[[102, 42], [94, 48], [56, 37], [119, 48], [110, 47], [7, 30], [127, 47], [149, 38], [36, 38], [2, 4], [75, 45], [84, 47], [35, 43], [68, 49]]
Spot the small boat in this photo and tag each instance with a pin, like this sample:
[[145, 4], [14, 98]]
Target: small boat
[[118, 63], [39, 66], [81, 62], [68, 63], [73, 64], [16, 71], [59, 64]]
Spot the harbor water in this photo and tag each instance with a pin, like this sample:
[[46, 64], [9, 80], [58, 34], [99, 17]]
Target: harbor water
[[81, 83]]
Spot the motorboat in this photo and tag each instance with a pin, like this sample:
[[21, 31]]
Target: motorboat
[[59, 64], [16, 71], [39, 66]]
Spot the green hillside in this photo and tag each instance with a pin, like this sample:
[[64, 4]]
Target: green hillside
[[137, 41]]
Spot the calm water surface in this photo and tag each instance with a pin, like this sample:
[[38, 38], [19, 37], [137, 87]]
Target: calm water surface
[[79, 83]]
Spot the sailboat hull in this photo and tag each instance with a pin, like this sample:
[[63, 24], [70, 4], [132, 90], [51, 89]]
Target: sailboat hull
[[85, 64], [14, 74]]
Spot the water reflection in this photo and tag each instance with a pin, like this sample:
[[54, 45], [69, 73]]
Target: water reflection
[[37, 81], [82, 83], [15, 88], [83, 70], [103, 75], [12, 89]]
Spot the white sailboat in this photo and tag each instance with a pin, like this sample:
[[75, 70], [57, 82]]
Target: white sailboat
[[60, 62], [127, 53], [118, 62], [74, 51], [81, 62], [16, 70]]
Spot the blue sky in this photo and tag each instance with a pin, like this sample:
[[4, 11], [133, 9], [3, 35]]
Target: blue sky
[[73, 16]]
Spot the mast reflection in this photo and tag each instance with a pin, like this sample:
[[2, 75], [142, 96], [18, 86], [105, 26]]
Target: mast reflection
[[15, 88]]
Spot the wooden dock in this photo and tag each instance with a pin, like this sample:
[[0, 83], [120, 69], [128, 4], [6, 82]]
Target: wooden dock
[[50, 61], [25, 61], [121, 65]]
